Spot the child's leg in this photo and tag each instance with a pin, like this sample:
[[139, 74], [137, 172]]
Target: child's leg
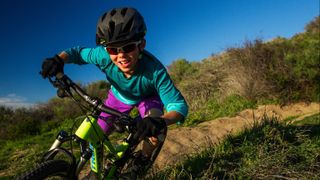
[[106, 123], [113, 102], [150, 107]]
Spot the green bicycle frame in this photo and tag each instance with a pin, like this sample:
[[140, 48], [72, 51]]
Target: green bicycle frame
[[91, 132]]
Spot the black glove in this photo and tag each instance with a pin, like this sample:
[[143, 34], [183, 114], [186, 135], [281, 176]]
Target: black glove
[[148, 127], [52, 66]]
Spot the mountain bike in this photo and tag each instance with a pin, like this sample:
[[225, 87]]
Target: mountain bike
[[108, 160]]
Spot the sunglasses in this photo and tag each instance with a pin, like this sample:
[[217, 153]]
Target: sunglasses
[[125, 48]]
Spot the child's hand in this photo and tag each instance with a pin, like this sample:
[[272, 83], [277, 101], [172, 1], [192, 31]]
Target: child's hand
[[52, 66], [149, 127]]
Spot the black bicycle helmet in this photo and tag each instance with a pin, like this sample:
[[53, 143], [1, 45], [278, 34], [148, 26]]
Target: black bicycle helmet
[[119, 26]]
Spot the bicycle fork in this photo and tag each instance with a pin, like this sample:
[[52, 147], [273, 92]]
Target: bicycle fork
[[61, 137], [55, 148]]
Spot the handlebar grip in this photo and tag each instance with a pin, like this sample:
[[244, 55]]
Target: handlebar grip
[[65, 83]]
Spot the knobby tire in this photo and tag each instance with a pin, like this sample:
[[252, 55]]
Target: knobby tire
[[48, 169]]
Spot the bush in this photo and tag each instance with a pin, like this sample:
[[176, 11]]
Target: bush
[[22, 122], [5, 118], [26, 126], [98, 89], [199, 85], [288, 69], [248, 69], [304, 58], [179, 69]]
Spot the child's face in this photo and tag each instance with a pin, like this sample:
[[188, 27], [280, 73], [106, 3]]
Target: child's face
[[127, 62]]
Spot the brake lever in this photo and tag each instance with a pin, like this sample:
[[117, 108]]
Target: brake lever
[[60, 84], [126, 120]]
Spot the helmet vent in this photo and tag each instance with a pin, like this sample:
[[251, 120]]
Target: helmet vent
[[123, 11], [113, 12], [128, 26], [104, 16], [111, 28]]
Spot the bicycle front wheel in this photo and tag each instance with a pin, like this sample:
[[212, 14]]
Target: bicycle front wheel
[[51, 169]]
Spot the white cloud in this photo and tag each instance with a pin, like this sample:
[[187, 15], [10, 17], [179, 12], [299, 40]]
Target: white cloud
[[14, 101]]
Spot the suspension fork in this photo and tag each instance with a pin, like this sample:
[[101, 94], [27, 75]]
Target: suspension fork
[[55, 147], [90, 131], [61, 138], [86, 154]]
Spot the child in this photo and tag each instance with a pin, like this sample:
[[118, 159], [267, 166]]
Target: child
[[137, 78]]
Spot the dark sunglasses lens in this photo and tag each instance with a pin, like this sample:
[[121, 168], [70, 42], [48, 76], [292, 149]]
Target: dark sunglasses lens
[[129, 48], [112, 51]]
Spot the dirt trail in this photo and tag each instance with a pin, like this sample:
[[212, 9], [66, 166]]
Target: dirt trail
[[186, 140]]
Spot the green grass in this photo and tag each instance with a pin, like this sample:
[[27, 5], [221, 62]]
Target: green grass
[[214, 109], [311, 120], [270, 150], [19, 155]]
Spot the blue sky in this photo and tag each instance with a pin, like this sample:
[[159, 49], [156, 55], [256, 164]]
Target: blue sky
[[33, 30]]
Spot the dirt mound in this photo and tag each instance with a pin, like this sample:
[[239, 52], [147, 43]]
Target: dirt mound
[[186, 140]]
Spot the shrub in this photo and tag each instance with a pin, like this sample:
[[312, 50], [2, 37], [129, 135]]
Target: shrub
[[287, 69], [98, 89], [22, 122], [179, 69]]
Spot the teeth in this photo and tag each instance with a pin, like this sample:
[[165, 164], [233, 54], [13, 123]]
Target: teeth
[[123, 62]]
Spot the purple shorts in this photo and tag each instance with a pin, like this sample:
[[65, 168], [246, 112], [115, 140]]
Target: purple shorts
[[143, 106]]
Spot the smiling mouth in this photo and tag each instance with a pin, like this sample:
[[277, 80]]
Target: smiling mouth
[[124, 63]]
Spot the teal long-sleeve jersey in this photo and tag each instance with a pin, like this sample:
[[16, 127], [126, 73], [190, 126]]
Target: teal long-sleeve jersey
[[149, 78]]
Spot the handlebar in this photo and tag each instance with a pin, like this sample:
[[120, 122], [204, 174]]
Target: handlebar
[[64, 83]]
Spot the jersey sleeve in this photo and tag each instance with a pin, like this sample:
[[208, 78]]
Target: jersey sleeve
[[169, 94], [81, 55]]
